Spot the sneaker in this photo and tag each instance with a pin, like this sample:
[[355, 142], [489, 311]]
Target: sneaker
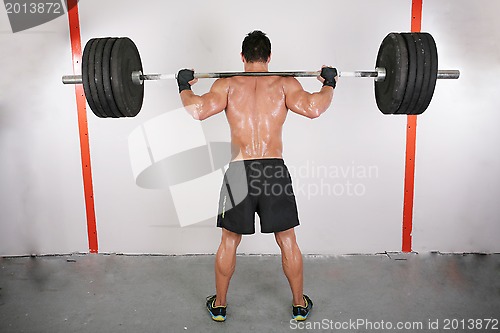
[[218, 313], [301, 312]]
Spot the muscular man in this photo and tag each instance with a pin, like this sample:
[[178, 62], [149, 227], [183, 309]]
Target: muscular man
[[257, 180]]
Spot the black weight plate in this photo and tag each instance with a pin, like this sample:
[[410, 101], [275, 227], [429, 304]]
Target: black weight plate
[[106, 77], [393, 56], [108, 112], [412, 74], [420, 56], [433, 71], [418, 108], [125, 59], [92, 84], [85, 76]]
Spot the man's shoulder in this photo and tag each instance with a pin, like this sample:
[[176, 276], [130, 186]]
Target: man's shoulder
[[221, 84], [290, 79], [290, 83]]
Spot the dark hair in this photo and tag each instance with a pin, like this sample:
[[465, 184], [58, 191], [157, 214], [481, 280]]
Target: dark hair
[[256, 47]]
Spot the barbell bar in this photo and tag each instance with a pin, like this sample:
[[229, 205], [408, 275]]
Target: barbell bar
[[405, 75], [138, 77], [378, 74]]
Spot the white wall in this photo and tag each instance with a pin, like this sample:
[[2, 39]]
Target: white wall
[[41, 198], [41, 193], [457, 206]]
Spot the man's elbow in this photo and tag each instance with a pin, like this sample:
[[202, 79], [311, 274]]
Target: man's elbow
[[200, 116], [315, 109], [313, 115], [196, 112], [315, 112]]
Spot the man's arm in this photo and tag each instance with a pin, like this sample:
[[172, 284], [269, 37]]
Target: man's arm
[[204, 106], [311, 105]]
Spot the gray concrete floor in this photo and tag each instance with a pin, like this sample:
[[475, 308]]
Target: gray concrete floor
[[115, 293]]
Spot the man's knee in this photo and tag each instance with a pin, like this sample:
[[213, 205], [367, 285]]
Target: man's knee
[[285, 238], [230, 238]]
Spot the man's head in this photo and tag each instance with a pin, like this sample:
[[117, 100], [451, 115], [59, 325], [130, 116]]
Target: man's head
[[256, 47]]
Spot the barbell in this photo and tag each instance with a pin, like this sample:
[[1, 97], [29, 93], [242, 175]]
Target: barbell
[[405, 75]]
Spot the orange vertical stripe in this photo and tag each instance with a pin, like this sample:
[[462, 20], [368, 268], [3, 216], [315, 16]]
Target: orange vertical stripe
[[416, 15], [76, 49], [411, 139]]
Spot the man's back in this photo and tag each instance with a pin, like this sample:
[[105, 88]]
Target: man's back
[[256, 110]]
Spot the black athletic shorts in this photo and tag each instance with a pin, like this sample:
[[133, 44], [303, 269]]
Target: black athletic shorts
[[260, 186]]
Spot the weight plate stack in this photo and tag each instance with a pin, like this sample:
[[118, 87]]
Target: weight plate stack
[[393, 56], [125, 60]]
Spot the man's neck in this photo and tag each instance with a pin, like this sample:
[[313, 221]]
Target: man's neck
[[256, 67]]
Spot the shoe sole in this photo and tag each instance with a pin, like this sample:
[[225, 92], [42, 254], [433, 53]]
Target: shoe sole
[[216, 318], [300, 318], [219, 318]]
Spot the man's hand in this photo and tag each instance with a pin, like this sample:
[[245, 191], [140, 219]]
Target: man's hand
[[185, 79], [328, 76]]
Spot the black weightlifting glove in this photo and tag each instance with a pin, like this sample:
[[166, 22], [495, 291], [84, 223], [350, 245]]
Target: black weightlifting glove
[[329, 74], [183, 78]]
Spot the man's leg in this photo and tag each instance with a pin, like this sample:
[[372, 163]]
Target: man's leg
[[291, 258], [225, 263]]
